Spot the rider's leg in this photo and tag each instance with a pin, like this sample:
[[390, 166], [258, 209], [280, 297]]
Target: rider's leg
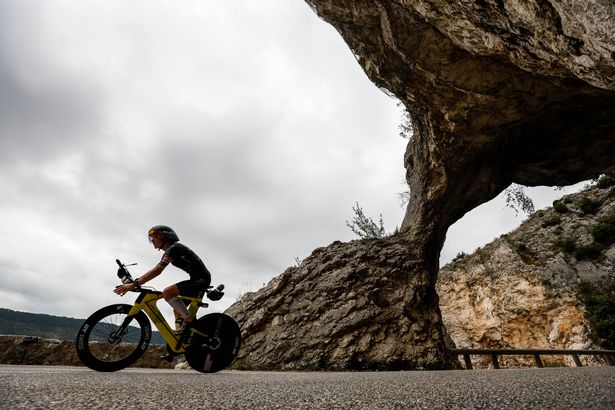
[[171, 294], [179, 321]]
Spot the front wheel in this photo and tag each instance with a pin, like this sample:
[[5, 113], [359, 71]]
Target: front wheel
[[214, 344], [110, 340]]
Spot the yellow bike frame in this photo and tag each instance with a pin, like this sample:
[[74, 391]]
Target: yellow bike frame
[[147, 301]]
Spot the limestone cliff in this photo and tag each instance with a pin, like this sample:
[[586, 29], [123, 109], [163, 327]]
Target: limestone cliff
[[499, 91], [341, 308], [522, 289]]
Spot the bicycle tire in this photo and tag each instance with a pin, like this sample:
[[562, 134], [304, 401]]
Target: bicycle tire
[[217, 351], [100, 350]]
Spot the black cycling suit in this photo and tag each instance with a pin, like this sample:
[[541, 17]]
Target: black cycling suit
[[184, 258]]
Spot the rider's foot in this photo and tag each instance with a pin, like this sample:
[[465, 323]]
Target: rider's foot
[[186, 324], [169, 355], [185, 331]]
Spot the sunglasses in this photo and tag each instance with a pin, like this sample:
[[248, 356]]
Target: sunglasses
[[150, 238]]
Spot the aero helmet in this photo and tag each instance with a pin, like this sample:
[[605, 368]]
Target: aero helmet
[[167, 233]]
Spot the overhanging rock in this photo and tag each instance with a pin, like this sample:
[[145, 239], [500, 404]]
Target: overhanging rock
[[499, 91]]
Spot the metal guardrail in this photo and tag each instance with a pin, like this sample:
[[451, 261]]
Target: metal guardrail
[[607, 355]]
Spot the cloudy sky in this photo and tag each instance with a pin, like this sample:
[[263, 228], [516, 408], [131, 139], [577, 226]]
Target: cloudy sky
[[247, 126]]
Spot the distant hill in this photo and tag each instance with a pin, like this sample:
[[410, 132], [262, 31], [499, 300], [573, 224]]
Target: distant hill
[[46, 326]]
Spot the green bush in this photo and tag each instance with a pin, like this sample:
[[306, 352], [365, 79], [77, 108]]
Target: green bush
[[459, 256], [567, 245], [600, 312], [589, 206], [551, 221], [604, 232], [588, 252], [526, 254], [560, 207], [605, 182]]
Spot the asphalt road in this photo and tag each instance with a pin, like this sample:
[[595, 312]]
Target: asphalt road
[[48, 387]]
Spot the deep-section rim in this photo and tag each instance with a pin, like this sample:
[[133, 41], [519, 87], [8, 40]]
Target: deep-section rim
[[90, 358]]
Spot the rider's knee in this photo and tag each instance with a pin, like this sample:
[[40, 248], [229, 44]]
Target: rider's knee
[[170, 292]]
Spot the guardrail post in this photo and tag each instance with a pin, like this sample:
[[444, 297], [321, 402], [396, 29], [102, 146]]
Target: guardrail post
[[468, 361], [538, 361], [494, 360], [575, 357], [607, 355]]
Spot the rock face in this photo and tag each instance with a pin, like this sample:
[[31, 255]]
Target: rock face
[[343, 308], [522, 290], [499, 91], [338, 308]]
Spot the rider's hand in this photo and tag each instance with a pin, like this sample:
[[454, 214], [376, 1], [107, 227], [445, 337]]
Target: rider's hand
[[121, 290]]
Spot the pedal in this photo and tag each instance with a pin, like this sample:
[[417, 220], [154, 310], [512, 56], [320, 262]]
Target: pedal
[[185, 336], [169, 355]]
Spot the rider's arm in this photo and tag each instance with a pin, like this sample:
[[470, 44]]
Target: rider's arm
[[151, 274]]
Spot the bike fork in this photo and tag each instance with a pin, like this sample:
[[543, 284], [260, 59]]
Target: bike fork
[[118, 335]]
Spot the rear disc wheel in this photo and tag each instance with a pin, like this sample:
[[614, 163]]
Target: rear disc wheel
[[220, 346]]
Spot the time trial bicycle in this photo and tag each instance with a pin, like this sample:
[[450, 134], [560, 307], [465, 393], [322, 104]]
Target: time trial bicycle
[[116, 336]]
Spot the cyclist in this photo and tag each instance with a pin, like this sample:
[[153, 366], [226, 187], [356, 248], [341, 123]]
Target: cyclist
[[179, 255]]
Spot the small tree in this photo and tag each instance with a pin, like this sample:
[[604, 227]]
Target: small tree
[[405, 127], [365, 227], [517, 198], [404, 198]]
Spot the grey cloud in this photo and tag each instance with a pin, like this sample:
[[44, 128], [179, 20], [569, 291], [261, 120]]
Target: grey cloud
[[43, 111], [254, 146], [44, 120]]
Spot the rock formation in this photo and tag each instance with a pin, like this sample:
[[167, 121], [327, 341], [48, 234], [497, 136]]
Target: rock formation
[[342, 308], [499, 91], [522, 290], [33, 350]]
